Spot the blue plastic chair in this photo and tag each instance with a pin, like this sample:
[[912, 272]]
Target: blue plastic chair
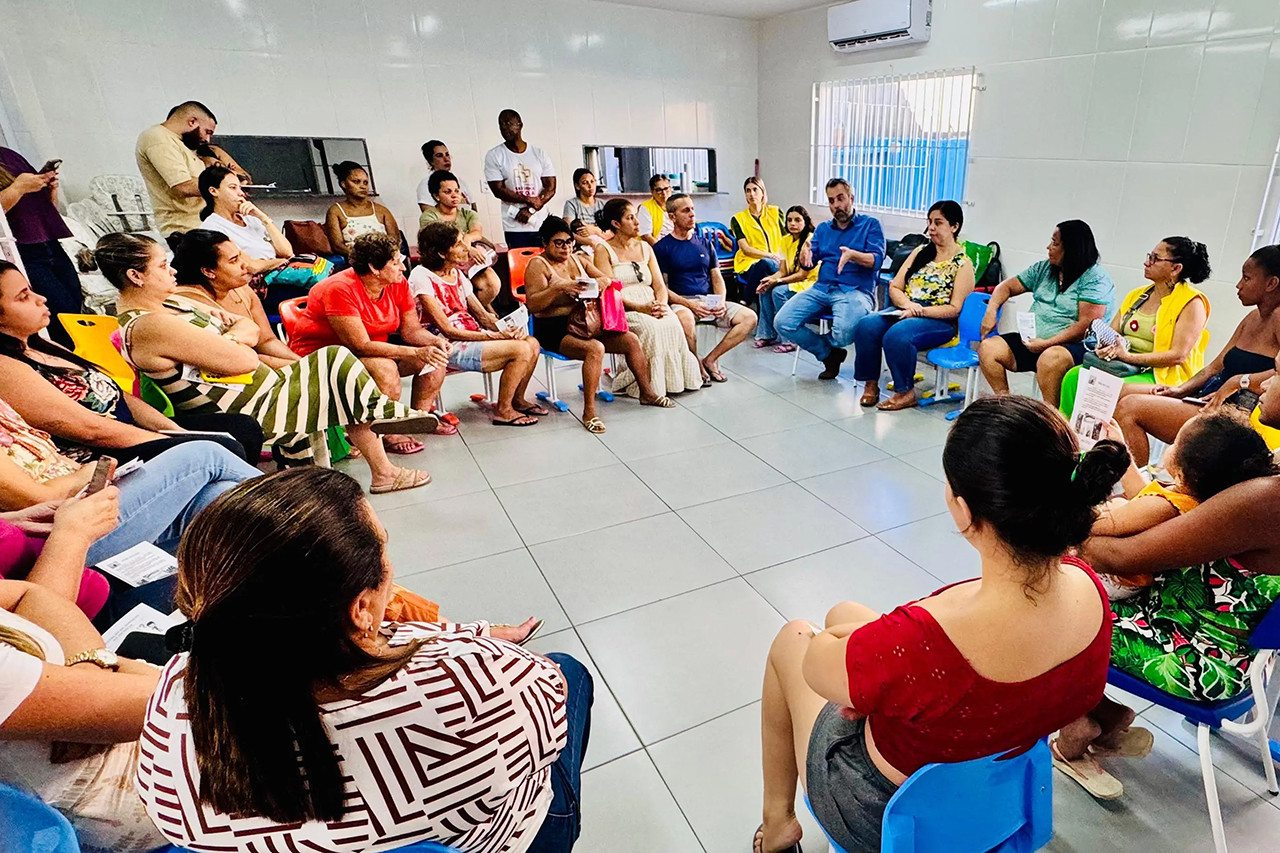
[[1003, 805], [552, 396], [712, 232], [27, 824], [1224, 715], [962, 356]]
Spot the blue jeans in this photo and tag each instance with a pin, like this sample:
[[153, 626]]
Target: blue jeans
[[160, 499], [771, 302], [901, 340], [564, 819], [847, 307], [53, 276], [754, 274]]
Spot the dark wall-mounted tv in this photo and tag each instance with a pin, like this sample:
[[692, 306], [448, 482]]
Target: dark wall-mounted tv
[[296, 165]]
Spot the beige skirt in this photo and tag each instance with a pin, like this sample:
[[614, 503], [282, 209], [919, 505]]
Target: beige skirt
[[672, 368]]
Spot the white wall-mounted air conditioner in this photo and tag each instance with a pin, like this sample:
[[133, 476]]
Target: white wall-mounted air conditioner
[[871, 24]]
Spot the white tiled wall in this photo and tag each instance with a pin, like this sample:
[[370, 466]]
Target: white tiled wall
[[80, 78], [1143, 117]]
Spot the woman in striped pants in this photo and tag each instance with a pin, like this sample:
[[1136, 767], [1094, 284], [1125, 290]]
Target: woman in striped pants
[[204, 360]]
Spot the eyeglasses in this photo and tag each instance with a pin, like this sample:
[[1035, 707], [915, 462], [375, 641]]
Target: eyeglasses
[[1153, 258], [562, 244], [639, 275], [665, 189]]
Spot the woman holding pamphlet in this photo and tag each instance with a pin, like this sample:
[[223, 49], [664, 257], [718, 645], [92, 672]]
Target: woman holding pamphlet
[[1158, 336], [1069, 290], [1242, 365], [450, 209], [439, 287]]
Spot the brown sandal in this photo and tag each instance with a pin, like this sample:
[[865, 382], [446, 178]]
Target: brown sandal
[[870, 395]]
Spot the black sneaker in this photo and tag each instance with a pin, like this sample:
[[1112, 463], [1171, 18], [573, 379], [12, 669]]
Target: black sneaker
[[833, 361]]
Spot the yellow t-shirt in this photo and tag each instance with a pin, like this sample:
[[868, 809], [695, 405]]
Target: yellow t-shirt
[[789, 252], [164, 162]]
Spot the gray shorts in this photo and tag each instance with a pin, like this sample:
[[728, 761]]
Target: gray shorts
[[847, 792]]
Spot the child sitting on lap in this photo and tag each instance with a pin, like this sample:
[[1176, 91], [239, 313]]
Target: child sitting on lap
[[1212, 452]]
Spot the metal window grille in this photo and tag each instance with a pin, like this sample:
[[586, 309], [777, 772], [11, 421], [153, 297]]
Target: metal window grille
[[902, 142]]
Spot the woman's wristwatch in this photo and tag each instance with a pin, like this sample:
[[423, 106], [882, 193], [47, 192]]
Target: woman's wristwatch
[[103, 658], [1244, 382]]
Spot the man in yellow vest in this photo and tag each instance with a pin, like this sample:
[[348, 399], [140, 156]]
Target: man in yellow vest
[[654, 222]]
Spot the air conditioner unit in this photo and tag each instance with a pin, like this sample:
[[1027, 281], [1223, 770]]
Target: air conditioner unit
[[871, 24]]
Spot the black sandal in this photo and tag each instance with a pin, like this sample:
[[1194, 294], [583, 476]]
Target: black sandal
[[757, 843]]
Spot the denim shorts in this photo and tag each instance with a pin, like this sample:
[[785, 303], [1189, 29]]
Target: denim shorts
[[847, 792], [466, 355]]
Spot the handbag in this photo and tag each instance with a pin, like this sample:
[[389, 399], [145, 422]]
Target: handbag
[[584, 319], [613, 313], [307, 236], [1114, 367]]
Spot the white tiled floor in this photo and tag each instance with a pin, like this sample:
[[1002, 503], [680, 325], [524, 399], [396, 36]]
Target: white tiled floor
[[666, 553]]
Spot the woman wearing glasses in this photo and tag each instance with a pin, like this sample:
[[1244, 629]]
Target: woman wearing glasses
[[661, 328], [1244, 363], [1161, 324]]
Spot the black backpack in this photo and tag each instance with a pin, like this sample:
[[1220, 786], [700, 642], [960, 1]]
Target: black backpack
[[902, 249], [994, 273]]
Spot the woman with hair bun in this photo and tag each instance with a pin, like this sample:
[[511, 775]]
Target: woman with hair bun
[[982, 667], [1243, 364], [357, 214], [1161, 324]]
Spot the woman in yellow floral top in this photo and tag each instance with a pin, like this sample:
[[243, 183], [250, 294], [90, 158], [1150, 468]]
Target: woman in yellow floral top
[[926, 294]]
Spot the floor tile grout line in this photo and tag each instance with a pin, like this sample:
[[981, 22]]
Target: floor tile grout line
[[1269, 798], [710, 719], [676, 800]]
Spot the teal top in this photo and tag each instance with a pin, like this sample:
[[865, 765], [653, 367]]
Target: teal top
[[1056, 311]]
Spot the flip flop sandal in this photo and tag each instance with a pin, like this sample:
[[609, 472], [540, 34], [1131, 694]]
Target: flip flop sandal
[[716, 375], [534, 411], [406, 448], [406, 478], [1088, 773], [520, 421], [419, 423], [1133, 742], [661, 403], [757, 843], [785, 348], [595, 426], [761, 343]]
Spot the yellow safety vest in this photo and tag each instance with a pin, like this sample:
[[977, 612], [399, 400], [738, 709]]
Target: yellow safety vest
[[764, 235], [657, 213], [1166, 319]]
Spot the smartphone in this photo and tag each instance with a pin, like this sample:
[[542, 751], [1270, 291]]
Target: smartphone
[[1245, 398], [1196, 401], [101, 475], [50, 166]]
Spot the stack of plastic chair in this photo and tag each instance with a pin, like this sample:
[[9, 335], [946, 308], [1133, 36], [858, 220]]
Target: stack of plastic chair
[[962, 356], [1002, 805], [1259, 703]]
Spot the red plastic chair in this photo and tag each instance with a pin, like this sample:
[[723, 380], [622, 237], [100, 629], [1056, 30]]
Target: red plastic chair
[[517, 261], [290, 311]]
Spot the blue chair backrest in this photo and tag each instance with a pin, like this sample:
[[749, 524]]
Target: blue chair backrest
[[1267, 634], [971, 314], [711, 231], [28, 825], [987, 804]]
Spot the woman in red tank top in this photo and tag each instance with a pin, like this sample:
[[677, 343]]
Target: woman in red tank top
[[979, 668]]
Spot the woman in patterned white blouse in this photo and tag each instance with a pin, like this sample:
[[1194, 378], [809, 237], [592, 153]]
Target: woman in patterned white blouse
[[296, 718]]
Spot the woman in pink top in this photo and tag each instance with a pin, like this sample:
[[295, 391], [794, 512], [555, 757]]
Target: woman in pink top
[[979, 668]]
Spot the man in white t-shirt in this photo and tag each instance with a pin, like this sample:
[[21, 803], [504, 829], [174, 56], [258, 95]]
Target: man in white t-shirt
[[522, 178], [436, 153]]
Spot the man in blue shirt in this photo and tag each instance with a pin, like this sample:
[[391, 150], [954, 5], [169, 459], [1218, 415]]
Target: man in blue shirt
[[692, 273], [850, 248]]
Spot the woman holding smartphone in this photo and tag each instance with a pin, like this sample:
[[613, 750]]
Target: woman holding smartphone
[[30, 203], [81, 406], [1243, 364]]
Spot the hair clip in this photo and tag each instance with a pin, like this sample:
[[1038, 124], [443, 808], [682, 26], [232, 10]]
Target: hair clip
[[179, 638]]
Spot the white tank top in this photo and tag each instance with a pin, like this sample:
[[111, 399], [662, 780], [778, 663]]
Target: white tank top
[[358, 226]]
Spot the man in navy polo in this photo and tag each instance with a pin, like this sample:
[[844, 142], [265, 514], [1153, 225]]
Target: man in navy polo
[[851, 249], [692, 273]]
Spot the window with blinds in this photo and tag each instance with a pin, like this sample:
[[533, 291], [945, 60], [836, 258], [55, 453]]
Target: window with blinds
[[901, 142]]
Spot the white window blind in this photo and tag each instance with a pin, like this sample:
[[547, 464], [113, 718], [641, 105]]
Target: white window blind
[[901, 142]]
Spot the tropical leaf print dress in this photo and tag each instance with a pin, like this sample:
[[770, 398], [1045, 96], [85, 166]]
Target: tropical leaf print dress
[[1188, 633]]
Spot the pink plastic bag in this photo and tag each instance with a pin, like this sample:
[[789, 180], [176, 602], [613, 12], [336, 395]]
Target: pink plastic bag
[[613, 314]]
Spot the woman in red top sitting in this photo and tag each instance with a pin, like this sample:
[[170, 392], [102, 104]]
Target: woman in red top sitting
[[979, 668], [362, 309]]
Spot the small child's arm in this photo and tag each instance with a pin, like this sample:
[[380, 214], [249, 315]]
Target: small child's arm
[[1141, 513]]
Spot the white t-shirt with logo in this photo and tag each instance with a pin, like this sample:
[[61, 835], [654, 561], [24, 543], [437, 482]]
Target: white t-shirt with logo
[[251, 237], [522, 174]]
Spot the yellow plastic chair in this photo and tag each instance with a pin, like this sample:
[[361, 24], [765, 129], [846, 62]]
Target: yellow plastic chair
[[91, 334]]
